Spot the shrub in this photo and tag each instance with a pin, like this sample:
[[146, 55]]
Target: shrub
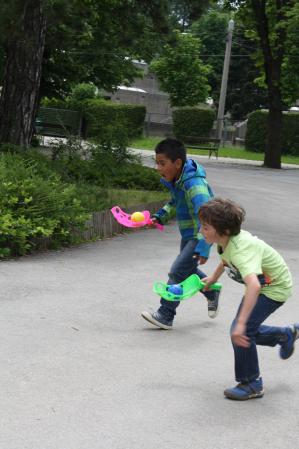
[[256, 132], [107, 164], [83, 91], [255, 139], [55, 103], [192, 121], [135, 176], [100, 114], [34, 206]]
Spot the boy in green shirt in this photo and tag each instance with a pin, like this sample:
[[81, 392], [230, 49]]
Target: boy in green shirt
[[268, 284]]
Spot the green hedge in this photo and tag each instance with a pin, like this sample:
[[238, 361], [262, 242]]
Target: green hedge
[[255, 139], [101, 114], [192, 121]]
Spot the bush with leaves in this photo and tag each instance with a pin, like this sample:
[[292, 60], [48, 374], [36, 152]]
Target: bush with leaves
[[33, 206], [83, 91], [192, 121], [100, 114], [256, 133], [105, 164]]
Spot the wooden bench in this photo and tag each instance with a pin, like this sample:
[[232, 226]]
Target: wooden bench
[[209, 144], [58, 122]]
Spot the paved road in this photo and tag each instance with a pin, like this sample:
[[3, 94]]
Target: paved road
[[80, 369]]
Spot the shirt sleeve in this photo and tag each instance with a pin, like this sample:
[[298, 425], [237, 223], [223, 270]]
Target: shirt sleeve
[[167, 212]]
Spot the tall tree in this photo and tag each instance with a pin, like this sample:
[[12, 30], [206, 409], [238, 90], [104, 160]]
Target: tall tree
[[23, 48], [96, 41], [181, 72], [269, 22], [86, 40], [185, 12]]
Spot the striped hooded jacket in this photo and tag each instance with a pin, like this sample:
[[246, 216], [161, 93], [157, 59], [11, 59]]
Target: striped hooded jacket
[[188, 193]]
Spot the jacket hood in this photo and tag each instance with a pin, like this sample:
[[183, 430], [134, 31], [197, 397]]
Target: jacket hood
[[192, 170]]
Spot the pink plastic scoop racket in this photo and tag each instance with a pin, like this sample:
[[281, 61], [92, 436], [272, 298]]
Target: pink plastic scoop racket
[[125, 219]]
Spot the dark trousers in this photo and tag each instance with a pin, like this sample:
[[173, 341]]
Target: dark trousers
[[246, 359], [183, 266]]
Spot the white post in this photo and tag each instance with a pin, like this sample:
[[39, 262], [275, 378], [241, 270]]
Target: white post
[[221, 107]]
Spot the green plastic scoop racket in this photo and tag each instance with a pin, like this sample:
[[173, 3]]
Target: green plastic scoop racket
[[189, 287]]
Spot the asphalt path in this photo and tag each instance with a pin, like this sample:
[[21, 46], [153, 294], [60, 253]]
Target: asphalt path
[[80, 368]]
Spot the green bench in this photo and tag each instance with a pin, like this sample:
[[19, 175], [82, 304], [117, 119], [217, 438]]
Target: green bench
[[58, 122], [209, 144]]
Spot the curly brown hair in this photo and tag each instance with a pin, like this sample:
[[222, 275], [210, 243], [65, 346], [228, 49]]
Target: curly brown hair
[[223, 214]]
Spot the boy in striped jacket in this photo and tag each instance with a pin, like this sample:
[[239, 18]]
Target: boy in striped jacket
[[189, 189]]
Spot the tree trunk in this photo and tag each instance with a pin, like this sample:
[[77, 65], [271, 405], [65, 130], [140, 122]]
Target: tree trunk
[[22, 73]]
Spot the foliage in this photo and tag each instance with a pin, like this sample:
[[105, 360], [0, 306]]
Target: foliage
[[269, 24], [190, 121], [103, 164], [69, 42], [185, 12], [243, 94], [136, 176], [33, 206], [257, 133], [290, 66], [99, 198], [181, 72], [96, 41], [83, 91], [282, 20], [101, 115]]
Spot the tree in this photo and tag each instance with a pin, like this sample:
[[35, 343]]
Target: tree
[[92, 41], [185, 12], [86, 40], [23, 48], [243, 94], [181, 72], [269, 23]]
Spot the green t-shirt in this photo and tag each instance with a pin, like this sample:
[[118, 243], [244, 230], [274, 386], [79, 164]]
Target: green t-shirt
[[246, 254]]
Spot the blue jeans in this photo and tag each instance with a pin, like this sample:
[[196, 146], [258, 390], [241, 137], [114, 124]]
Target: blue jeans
[[183, 266], [246, 359]]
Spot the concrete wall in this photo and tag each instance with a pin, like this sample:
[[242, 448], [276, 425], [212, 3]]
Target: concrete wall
[[146, 91]]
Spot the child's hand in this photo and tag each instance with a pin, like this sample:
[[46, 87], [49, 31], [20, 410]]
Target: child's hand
[[153, 223], [209, 280], [200, 259], [239, 338]]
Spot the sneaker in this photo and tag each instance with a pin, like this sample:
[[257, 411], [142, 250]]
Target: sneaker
[[213, 304], [287, 348], [244, 391], [157, 319]]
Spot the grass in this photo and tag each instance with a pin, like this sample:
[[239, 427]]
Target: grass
[[98, 198], [149, 143]]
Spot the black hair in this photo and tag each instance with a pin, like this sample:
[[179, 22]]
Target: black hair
[[224, 215], [172, 148]]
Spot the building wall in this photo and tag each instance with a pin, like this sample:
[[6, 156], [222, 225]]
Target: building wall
[[146, 91]]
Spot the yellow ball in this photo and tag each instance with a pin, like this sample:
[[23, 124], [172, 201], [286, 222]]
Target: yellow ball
[[137, 216]]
